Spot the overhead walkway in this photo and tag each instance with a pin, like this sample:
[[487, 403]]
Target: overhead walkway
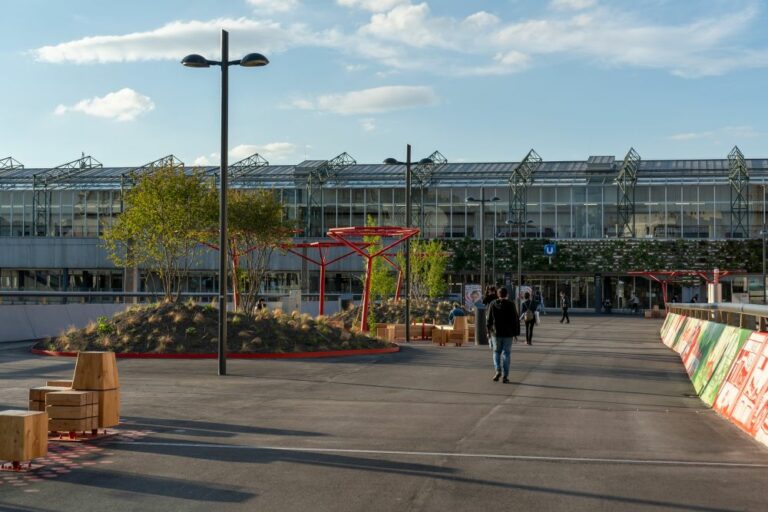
[[600, 415]]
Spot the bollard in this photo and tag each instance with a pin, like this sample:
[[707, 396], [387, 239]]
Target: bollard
[[481, 336]]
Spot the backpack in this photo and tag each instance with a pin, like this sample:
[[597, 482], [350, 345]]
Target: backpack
[[529, 316]]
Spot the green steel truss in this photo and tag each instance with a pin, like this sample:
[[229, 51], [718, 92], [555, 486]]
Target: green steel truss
[[738, 179], [315, 175], [59, 177], [422, 176], [519, 181], [9, 164], [626, 179], [249, 167]]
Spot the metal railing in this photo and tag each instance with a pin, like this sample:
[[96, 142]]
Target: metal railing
[[747, 316]]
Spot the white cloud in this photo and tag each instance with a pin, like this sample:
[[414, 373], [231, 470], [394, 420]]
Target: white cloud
[[405, 36], [273, 151], [574, 5], [274, 5], [368, 124], [372, 5], [686, 136], [179, 38], [123, 105], [372, 101], [727, 132]]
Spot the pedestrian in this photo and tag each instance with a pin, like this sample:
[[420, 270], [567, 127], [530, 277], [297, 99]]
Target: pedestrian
[[260, 305], [490, 295], [564, 304], [503, 325], [528, 315], [695, 298], [634, 302], [457, 311]]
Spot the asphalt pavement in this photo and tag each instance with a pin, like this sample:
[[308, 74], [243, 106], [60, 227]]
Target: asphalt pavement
[[599, 416]]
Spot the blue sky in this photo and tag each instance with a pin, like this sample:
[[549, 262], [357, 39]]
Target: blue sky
[[481, 80]]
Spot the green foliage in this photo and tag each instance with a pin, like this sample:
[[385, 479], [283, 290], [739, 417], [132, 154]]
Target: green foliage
[[429, 264], [255, 227], [372, 322], [103, 326], [190, 331], [615, 255], [159, 230], [383, 276]]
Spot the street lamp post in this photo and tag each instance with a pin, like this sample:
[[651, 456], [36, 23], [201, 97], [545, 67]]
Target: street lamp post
[[407, 163], [198, 61], [482, 202], [520, 226]]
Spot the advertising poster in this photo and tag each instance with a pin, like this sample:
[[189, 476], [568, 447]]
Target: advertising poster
[[695, 352], [735, 384], [710, 375], [472, 294], [669, 322], [690, 331], [675, 330], [674, 336]]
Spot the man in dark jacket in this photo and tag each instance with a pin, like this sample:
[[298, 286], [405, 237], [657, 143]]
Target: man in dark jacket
[[503, 324]]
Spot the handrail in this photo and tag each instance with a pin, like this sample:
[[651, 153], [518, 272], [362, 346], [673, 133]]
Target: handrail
[[747, 316]]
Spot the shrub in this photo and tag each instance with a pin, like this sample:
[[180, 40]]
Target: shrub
[[103, 327], [190, 331]]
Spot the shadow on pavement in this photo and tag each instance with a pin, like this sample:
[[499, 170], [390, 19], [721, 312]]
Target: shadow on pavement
[[209, 429], [252, 455], [158, 486]]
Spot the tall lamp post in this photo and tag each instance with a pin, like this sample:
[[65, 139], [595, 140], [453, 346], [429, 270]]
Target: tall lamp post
[[249, 61], [482, 200], [407, 163], [764, 233], [520, 226]]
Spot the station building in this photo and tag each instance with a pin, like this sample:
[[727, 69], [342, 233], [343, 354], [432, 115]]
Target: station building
[[51, 218]]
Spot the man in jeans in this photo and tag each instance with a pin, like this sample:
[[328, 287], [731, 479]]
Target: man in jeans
[[503, 323]]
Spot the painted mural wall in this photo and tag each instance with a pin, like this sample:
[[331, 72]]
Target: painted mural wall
[[728, 367]]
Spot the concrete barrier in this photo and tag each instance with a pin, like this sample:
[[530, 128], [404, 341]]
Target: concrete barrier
[[728, 367], [20, 322]]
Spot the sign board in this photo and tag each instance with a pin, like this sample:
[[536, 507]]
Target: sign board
[[473, 293], [550, 249]]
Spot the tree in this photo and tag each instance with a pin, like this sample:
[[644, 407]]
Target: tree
[[429, 262], [255, 227], [383, 279], [159, 229]]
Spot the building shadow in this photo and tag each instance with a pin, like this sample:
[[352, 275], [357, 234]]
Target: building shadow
[[208, 428], [258, 455]]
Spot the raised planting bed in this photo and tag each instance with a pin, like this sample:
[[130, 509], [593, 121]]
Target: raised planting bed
[[191, 330]]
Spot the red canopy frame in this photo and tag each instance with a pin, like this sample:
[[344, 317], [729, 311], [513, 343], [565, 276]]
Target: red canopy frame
[[322, 262], [344, 234], [387, 258], [664, 277]]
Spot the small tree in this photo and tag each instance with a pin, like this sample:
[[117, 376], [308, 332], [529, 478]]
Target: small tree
[[159, 229], [429, 263], [255, 227], [383, 279]]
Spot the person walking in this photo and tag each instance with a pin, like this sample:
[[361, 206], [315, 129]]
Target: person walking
[[634, 302], [503, 324], [564, 304], [528, 315], [490, 295]]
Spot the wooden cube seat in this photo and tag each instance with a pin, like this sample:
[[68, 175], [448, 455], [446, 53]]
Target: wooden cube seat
[[23, 435]]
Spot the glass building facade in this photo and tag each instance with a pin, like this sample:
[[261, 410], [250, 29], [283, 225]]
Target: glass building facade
[[673, 199]]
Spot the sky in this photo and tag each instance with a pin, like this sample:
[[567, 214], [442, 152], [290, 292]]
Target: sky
[[479, 81]]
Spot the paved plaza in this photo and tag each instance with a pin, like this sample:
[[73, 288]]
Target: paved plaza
[[599, 416]]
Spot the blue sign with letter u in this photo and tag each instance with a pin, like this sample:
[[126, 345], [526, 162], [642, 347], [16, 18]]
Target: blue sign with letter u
[[550, 249]]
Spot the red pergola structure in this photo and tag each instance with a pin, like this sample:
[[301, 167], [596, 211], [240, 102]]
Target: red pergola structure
[[322, 262], [343, 235], [664, 277], [396, 267]]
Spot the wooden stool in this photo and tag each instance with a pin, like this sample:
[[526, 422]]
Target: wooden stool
[[97, 371], [23, 436]]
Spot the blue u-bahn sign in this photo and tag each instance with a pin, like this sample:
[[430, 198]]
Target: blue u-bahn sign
[[550, 249]]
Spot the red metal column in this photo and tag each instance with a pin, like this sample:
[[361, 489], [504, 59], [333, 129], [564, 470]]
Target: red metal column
[[322, 281], [366, 293]]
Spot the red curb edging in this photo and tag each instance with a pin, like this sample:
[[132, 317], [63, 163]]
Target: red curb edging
[[289, 355]]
